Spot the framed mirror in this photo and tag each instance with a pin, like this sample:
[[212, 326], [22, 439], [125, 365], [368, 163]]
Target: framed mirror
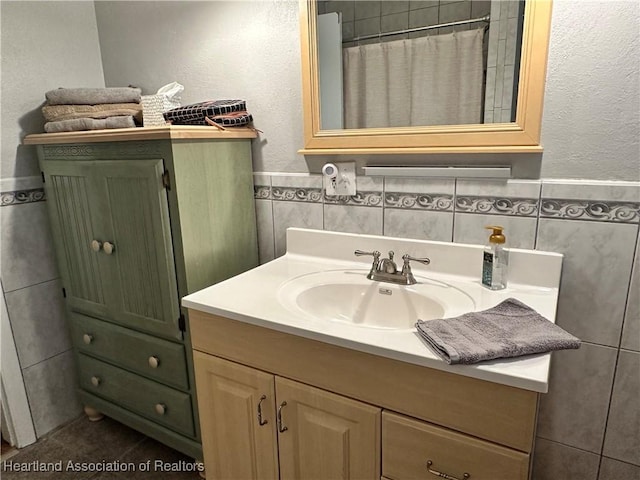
[[331, 128]]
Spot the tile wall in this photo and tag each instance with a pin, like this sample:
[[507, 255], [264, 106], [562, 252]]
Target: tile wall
[[591, 414], [361, 18], [503, 61], [33, 296]]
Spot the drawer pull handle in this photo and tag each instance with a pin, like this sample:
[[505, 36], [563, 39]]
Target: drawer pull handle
[[281, 426], [108, 248], [96, 245], [154, 361], [87, 338], [465, 476], [95, 381], [260, 420], [161, 408]]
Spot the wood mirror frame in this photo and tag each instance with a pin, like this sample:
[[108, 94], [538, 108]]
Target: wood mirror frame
[[523, 135]]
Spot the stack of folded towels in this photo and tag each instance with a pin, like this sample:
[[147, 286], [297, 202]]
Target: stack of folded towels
[[74, 109]]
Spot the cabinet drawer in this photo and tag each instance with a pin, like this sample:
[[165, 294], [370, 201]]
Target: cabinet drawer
[[149, 356], [408, 444], [157, 402]]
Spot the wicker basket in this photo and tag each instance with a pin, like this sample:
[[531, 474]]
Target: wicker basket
[[153, 106]]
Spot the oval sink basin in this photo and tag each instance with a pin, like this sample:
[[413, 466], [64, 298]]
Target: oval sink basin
[[348, 296]]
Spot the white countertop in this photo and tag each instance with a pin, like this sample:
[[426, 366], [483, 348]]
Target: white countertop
[[252, 297]]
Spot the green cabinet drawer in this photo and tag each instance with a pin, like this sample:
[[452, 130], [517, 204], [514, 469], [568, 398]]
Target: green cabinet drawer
[[152, 400], [152, 357]]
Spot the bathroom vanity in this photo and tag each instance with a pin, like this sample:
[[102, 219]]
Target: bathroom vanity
[[141, 217], [287, 390]]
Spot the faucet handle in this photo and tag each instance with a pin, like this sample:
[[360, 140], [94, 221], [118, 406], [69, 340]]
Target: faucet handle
[[406, 268], [375, 254], [376, 261], [407, 258]]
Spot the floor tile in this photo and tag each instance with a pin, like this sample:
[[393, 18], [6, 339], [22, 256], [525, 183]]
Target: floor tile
[[164, 463], [103, 440], [49, 459]]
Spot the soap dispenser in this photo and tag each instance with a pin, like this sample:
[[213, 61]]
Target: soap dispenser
[[495, 260]]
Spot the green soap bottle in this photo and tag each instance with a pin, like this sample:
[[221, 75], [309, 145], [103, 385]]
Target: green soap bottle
[[495, 260]]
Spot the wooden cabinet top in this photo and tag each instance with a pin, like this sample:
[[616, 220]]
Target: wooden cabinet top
[[166, 132]]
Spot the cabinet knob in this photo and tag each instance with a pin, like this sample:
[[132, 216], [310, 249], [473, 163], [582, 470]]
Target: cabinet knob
[[108, 248], [95, 381], [154, 361], [96, 245], [161, 408], [87, 338]]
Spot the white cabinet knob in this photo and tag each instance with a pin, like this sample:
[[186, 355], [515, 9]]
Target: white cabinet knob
[[96, 245], [154, 361], [87, 338], [95, 381], [161, 408], [108, 248]]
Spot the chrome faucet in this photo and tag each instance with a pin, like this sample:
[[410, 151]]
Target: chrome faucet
[[387, 270]]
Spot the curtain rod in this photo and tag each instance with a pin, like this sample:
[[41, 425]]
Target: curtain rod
[[486, 18]]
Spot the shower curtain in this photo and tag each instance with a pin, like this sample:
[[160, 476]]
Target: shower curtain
[[433, 80]]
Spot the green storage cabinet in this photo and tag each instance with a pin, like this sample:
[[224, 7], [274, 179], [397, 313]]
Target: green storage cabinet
[[140, 218]]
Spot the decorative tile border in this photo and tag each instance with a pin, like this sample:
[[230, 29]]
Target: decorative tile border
[[363, 199], [20, 197], [261, 192], [297, 194], [618, 211], [594, 210], [521, 207], [440, 202]]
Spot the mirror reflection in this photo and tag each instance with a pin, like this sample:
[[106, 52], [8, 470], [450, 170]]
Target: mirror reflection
[[418, 63]]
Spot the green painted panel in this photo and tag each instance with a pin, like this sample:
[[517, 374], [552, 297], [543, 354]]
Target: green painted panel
[[137, 394], [130, 349], [143, 270], [75, 224], [213, 185], [176, 441]]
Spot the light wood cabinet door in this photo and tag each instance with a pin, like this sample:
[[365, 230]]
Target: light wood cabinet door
[[323, 435], [236, 443]]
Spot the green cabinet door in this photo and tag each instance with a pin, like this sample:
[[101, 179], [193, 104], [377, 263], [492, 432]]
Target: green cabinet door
[[129, 278], [70, 191], [142, 280]]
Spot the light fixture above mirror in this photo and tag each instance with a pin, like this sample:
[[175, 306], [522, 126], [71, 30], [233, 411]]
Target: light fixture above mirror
[[521, 135]]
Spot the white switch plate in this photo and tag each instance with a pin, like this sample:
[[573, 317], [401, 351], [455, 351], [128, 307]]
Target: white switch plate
[[345, 182]]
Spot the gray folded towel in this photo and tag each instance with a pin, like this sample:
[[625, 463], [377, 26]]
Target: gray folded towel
[[78, 124], [510, 329], [93, 96]]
